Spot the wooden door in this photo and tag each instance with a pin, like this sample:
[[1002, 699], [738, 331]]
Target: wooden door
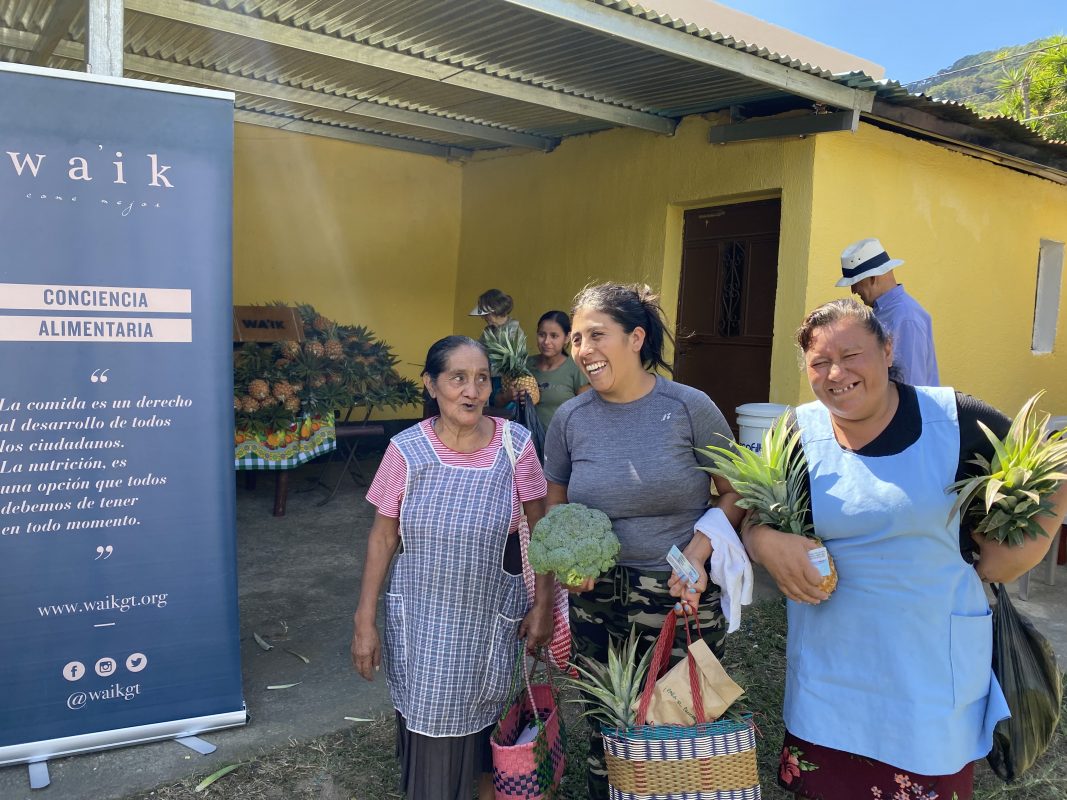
[[726, 302]]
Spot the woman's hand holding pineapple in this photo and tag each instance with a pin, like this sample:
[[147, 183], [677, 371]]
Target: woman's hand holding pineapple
[[785, 557], [513, 394]]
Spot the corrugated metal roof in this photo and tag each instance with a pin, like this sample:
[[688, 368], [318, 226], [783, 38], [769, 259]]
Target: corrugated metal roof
[[652, 15], [456, 75], [1006, 127]]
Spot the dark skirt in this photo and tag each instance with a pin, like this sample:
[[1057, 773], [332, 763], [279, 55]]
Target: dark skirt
[[441, 768], [822, 773]]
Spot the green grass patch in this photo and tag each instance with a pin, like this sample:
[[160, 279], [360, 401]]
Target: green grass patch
[[359, 763]]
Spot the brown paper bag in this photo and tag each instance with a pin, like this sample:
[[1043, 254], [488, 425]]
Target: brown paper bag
[[672, 699]]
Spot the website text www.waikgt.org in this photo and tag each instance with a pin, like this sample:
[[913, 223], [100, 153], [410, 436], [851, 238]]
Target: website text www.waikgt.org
[[102, 605]]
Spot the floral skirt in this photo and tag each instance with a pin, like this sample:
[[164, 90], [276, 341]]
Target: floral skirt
[[822, 773]]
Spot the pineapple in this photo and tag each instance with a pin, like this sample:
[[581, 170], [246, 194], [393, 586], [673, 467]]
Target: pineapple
[[259, 389], [281, 390], [508, 357], [1004, 501], [291, 349], [334, 349], [314, 349], [610, 693], [771, 484]]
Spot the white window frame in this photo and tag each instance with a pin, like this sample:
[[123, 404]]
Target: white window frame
[[1047, 296]]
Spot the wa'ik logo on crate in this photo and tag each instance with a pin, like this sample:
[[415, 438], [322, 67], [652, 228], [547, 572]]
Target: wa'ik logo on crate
[[97, 174]]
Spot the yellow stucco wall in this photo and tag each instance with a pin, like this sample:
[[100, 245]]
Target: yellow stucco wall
[[609, 207], [405, 243], [367, 235], [969, 232]]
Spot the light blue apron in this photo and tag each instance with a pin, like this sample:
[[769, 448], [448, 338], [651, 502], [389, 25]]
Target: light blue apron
[[896, 665], [451, 611]]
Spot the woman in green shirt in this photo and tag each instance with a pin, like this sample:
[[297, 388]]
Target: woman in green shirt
[[558, 377]]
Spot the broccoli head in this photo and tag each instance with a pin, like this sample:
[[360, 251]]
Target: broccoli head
[[575, 542]]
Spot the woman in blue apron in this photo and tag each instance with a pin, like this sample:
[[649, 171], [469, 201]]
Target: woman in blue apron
[[456, 606], [889, 685]]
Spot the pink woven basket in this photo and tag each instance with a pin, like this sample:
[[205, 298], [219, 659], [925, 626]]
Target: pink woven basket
[[532, 770]]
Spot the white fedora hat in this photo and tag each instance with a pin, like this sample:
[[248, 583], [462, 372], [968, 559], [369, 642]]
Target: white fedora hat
[[865, 259]]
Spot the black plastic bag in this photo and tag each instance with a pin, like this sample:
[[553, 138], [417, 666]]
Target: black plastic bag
[[1025, 665], [527, 417]]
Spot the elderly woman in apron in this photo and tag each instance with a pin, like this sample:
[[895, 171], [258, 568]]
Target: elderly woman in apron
[[456, 606], [889, 688]]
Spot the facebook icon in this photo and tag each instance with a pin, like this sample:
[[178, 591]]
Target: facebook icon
[[74, 671]]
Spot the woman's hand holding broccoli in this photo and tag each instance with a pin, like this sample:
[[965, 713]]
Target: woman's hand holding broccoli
[[574, 542]]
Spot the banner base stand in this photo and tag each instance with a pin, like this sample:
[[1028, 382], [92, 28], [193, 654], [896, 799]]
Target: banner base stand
[[197, 744], [39, 752], [39, 777]]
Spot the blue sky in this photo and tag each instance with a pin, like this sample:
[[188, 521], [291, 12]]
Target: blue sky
[[913, 38]]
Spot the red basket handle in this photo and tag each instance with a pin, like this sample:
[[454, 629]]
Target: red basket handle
[[661, 657]]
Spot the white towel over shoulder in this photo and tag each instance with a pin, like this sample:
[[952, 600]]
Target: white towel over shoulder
[[729, 566]]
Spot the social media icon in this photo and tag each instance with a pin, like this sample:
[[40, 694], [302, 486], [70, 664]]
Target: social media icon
[[74, 671], [135, 662], [105, 666]]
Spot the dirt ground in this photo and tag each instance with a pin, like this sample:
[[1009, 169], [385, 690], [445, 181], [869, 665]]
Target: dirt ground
[[298, 586], [299, 582]]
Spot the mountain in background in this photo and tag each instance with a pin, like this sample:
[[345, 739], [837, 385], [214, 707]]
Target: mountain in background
[[976, 87]]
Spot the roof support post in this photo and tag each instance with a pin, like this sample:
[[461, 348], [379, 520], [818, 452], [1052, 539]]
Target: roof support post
[[104, 34], [806, 125]]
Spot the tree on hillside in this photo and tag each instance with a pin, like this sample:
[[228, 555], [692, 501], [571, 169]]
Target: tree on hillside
[[1036, 92]]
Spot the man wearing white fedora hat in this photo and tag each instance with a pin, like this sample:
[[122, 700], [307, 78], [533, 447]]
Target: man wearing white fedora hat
[[867, 270]]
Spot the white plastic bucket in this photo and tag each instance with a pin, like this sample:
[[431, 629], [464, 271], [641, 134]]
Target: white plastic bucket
[[755, 418]]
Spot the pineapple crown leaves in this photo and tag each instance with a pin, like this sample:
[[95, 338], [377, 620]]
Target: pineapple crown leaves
[[771, 481], [1010, 492], [507, 351], [610, 691]]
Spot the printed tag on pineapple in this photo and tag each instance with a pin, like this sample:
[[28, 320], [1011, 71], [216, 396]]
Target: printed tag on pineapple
[[821, 559]]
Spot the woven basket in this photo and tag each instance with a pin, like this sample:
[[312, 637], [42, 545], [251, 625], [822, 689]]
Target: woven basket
[[530, 771], [705, 761], [712, 761]]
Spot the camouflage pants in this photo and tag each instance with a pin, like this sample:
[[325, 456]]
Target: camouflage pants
[[620, 599]]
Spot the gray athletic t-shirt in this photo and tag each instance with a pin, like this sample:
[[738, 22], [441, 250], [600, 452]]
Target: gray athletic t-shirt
[[636, 463]]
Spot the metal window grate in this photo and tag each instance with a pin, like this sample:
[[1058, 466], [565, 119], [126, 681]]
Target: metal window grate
[[734, 258]]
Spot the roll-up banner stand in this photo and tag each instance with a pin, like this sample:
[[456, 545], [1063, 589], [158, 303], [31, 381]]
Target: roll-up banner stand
[[118, 576]]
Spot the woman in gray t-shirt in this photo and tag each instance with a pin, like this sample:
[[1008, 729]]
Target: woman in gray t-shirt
[[626, 448]]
